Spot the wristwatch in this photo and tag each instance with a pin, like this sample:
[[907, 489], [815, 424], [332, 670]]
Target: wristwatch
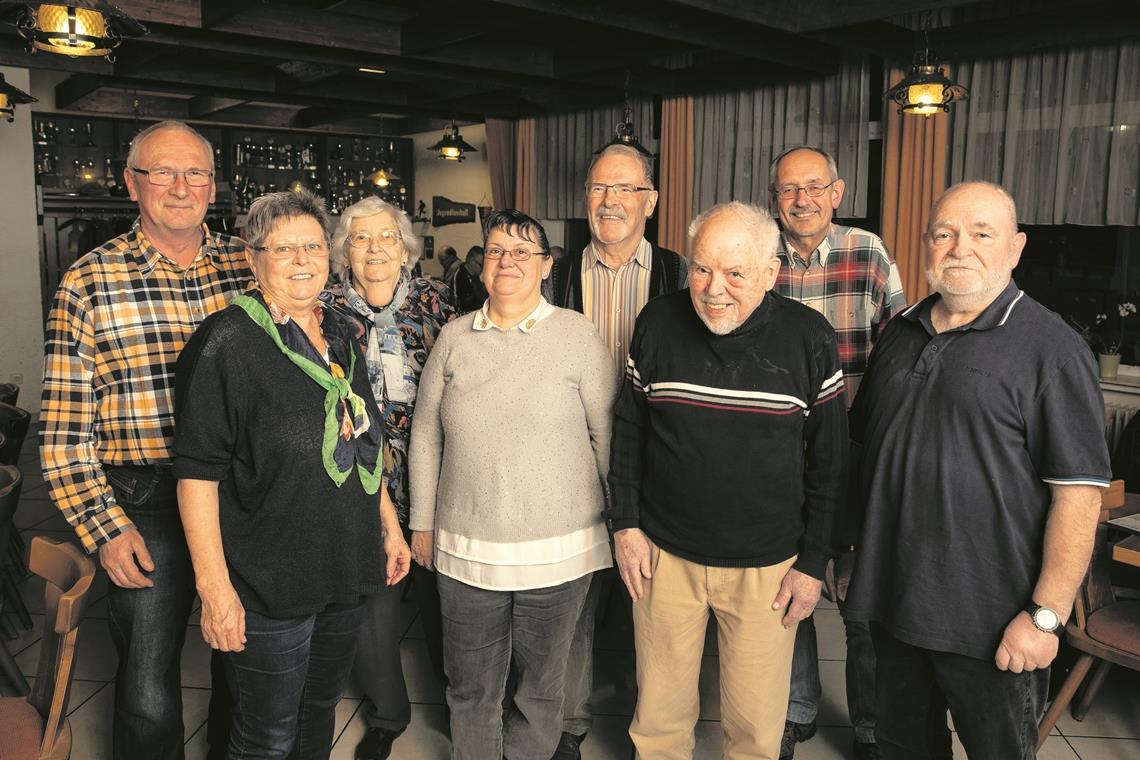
[[1044, 619]]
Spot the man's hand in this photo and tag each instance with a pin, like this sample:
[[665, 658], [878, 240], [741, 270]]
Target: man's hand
[[223, 619], [123, 556], [631, 549], [799, 593], [399, 556], [1024, 647], [423, 548]]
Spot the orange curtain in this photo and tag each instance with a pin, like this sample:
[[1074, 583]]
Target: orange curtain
[[524, 167], [915, 169], [501, 155], [675, 207]]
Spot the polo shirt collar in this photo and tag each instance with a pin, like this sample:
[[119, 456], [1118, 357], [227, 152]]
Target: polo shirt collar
[[643, 256], [483, 322], [994, 315], [823, 250]]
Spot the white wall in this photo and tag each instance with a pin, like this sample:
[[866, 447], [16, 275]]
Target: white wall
[[468, 181], [21, 333]]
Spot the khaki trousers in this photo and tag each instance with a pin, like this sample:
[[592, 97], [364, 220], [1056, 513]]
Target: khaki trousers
[[755, 658]]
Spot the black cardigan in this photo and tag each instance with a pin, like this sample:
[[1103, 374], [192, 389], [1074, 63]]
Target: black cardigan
[[665, 270]]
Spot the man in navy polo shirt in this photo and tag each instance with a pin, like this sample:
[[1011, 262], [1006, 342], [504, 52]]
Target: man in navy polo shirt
[[979, 429]]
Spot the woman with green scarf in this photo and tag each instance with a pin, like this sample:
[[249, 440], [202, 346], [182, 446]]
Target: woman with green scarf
[[278, 448]]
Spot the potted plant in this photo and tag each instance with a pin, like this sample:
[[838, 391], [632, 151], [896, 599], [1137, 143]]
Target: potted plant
[[1110, 337]]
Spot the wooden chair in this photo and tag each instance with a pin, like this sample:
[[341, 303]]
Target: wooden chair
[[14, 425], [36, 727], [11, 568], [1105, 631]]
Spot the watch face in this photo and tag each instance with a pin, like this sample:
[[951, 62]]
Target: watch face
[[1046, 619]]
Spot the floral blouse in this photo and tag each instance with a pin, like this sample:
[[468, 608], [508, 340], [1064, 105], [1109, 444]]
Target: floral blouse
[[424, 312]]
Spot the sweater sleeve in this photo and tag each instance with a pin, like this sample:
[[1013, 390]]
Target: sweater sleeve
[[596, 388], [425, 454], [208, 394], [825, 454], [627, 448]]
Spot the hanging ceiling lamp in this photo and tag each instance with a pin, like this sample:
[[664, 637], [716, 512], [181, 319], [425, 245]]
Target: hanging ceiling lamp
[[10, 97], [624, 135], [78, 28], [383, 177], [926, 89], [452, 146]]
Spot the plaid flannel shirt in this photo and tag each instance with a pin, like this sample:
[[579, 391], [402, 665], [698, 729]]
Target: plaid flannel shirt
[[851, 280], [120, 318]]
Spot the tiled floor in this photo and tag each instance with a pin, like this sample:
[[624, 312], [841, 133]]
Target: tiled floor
[[1110, 732]]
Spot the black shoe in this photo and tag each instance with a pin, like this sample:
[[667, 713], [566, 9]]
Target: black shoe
[[568, 747], [376, 744], [793, 734], [867, 751]]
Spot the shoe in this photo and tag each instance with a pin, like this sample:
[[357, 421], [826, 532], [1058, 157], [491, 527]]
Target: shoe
[[568, 747], [867, 751], [376, 744], [793, 734]]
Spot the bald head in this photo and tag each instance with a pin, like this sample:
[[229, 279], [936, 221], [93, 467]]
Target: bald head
[[996, 193]]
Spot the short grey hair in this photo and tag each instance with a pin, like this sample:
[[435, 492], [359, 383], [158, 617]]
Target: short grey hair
[[268, 209], [1006, 196], [624, 150], [774, 167], [162, 126], [370, 206], [756, 220]]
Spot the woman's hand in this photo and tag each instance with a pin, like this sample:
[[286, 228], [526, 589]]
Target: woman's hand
[[423, 548], [399, 556], [223, 618]]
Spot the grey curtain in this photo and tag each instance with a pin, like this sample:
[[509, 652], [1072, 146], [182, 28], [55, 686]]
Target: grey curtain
[[738, 134], [1058, 129], [564, 146]]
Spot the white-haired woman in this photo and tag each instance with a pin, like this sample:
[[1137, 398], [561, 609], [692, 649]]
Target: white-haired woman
[[373, 252]]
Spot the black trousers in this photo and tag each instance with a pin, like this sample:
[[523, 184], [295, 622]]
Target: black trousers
[[995, 712]]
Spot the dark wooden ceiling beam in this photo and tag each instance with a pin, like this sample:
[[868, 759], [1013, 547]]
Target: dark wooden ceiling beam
[[879, 38], [291, 23], [810, 15], [118, 102], [434, 31], [75, 88], [205, 107], [176, 12], [681, 25], [214, 12]]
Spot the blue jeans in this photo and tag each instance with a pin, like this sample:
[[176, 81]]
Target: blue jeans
[[995, 712], [287, 681], [803, 701], [148, 625], [489, 634]]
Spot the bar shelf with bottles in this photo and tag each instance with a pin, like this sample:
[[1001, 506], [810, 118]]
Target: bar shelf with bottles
[[86, 156]]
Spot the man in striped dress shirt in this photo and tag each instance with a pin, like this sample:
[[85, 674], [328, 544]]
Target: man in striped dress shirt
[[727, 459], [846, 274], [120, 318], [610, 282]]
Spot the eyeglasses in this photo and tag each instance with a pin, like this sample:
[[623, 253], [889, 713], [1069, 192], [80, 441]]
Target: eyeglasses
[[791, 191], [518, 254], [285, 251], [386, 238], [623, 190], [164, 177]]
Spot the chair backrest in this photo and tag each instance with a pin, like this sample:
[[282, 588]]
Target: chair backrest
[[1096, 589], [9, 393], [10, 483], [68, 574], [14, 425]]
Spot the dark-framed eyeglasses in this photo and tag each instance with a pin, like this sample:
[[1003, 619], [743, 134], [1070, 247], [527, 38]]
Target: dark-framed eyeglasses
[[814, 190], [621, 190], [518, 254], [386, 238], [285, 251], [164, 177]]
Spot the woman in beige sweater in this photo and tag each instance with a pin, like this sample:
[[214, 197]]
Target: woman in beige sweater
[[510, 447]]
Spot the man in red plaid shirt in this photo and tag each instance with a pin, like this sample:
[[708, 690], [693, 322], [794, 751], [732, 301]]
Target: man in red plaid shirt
[[847, 275]]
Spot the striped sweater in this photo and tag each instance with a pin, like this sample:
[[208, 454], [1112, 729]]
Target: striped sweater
[[731, 450]]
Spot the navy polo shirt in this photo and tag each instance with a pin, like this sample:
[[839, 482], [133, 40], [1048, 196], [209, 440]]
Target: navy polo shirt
[[958, 436]]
